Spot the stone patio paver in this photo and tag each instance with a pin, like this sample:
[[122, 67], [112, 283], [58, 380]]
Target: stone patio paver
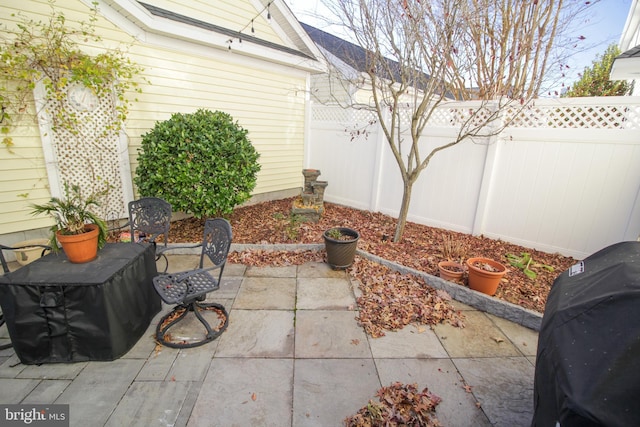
[[258, 333], [479, 338], [326, 391], [139, 406], [441, 377], [525, 339], [96, 392], [245, 392], [325, 294], [329, 334], [293, 355], [418, 342], [503, 386], [266, 293]]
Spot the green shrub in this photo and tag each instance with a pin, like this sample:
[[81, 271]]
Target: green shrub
[[202, 163]]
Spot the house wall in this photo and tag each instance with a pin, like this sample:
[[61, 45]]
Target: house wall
[[630, 37], [231, 14], [265, 98], [564, 178]]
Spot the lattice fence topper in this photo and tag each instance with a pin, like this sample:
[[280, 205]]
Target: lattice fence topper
[[545, 114], [89, 155]]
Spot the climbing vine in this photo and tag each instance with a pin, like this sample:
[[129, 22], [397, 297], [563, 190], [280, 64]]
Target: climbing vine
[[48, 53]]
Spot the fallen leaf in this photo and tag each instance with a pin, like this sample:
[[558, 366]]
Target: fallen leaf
[[355, 341], [498, 339], [420, 248], [467, 388], [254, 397], [399, 404]]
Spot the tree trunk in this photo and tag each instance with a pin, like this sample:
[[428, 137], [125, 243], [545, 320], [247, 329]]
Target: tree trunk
[[404, 210]]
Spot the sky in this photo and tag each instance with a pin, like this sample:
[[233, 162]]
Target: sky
[[604, 26]]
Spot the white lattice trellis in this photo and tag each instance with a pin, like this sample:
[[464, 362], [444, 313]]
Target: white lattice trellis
[[594, 113], [88, 154], [597, 116]]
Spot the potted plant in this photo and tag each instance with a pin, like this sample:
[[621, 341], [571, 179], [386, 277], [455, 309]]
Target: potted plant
[[80, 232], [453, 251], [340, 244], [450, 270], [485, 274]]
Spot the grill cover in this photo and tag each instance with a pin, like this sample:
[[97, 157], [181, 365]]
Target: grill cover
[[588, 360]]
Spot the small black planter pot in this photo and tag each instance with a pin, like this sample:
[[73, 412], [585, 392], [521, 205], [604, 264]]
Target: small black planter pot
[[341, 252]]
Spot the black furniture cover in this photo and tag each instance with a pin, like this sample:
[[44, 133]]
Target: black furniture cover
[[588, 360], [57, 311]]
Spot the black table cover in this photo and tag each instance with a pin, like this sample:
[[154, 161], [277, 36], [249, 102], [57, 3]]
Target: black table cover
[[57, 311]]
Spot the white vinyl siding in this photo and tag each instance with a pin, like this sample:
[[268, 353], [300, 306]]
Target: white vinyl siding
[[267, 99]]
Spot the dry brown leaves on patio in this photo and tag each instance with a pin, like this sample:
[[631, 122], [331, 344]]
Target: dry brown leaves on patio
[[261, 258], [391, 300], [399, 405]]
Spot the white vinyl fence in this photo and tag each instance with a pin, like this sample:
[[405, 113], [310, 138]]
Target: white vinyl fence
[[564, 177]]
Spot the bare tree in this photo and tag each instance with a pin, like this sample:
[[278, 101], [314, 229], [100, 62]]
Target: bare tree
[[421, 54]]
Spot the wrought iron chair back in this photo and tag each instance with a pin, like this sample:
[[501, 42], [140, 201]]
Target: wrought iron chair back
[[3, 261], [149, 218], [188, 289], [216, 242]]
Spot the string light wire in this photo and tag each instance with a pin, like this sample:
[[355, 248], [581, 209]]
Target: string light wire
[[251, 22]]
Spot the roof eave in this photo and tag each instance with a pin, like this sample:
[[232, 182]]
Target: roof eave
[[147, 22], [625, 69], [626, 66]]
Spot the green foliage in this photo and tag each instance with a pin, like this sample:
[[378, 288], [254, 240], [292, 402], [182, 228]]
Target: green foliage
[[49, 52], [334, 233], [595, 80], [202, 163], [525, 263], [71, 213], [290, 225]]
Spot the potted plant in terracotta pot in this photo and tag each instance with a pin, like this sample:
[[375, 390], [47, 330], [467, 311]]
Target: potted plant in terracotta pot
[[80, 232], [340, 244], [485, 274], [453, 251], [450, 270]]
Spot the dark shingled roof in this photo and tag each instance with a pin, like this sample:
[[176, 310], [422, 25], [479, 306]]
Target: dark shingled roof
[[352, 54], [156, 11], [631, 53]]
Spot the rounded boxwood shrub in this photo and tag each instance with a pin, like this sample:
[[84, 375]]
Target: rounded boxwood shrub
[[202, 163]]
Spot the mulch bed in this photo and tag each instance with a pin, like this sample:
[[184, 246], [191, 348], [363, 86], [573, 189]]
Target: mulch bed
[[421, 248]]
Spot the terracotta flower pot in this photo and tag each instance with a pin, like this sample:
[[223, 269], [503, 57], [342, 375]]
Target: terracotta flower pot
[[451, 271], [482, 280], [80, 248]]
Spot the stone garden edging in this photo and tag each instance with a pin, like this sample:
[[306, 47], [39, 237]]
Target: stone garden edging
[[503, 309]]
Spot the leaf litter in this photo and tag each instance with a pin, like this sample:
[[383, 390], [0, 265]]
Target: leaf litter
[[421, 248], [398, 405]]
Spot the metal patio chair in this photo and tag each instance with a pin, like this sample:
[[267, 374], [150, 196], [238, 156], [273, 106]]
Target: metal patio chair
[[150, 218], [188, 289]]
